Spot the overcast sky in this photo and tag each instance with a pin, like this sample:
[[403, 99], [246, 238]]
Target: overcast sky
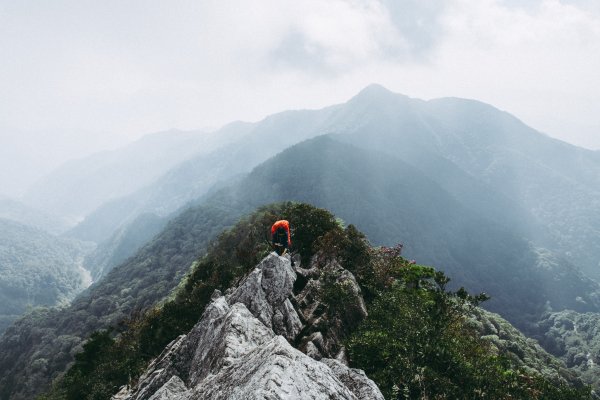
[[80, 75]]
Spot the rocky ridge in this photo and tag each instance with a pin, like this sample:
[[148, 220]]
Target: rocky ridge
[[271, 337]]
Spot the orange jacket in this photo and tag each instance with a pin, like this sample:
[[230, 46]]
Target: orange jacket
[[282, 224]]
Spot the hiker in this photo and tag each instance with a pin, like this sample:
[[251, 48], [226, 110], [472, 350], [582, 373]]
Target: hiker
[[280, 236]]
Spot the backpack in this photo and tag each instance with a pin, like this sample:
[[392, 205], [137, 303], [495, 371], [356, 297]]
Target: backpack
[[281, 236]]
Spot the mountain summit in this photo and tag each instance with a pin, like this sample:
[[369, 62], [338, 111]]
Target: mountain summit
[[375, 91]]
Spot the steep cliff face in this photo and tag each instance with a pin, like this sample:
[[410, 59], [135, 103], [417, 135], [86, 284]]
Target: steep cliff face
[[246, 345]]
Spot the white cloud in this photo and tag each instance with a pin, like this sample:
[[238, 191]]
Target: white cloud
[[338, 35], [540, 63], [127, 68]]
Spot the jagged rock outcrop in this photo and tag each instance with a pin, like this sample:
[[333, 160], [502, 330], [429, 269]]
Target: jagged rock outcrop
[[242, 346], [266, 292]]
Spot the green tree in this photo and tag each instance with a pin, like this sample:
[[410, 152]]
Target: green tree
[[416, 343]]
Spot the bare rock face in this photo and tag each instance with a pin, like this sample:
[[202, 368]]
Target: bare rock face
[[266, 293], [240, 349], [173, 389], [354, 379], [275, 371]]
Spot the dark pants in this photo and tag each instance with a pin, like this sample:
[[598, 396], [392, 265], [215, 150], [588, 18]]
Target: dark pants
[[281, 237], [282, 241]]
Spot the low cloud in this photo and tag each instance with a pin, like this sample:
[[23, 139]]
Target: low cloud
[[125, 69]]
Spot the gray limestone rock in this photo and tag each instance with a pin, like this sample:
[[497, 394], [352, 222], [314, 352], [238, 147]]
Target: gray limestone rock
[[238, 350], [221, 344], [274, 371], [355, 379], [266, 292], [160, 370], [174, 389]]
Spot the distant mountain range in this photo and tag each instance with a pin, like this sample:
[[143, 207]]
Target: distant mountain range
[[465, 187], [80, 186], [17, 211], [557, 184], [207, 171], [402, 204], [538, 187]]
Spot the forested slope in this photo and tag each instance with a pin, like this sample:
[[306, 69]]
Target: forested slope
[[38, 347], [37, 269]]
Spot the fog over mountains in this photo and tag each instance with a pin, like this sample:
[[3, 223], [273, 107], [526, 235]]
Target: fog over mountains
[[467, 188], [80, 186], [538, 185]]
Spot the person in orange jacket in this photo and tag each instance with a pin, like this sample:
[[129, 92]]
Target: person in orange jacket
[[280, 236]]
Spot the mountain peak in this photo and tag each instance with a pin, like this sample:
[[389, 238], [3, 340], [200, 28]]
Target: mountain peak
[[376, 94], [375, 90]]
